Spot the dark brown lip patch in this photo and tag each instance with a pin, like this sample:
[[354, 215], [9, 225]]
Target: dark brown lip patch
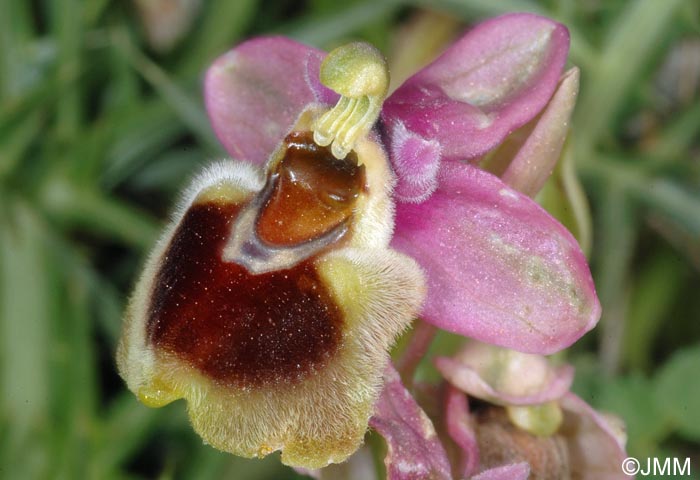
[[235, 327]]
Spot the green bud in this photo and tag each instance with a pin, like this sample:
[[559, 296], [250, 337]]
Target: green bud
[[542, 420]]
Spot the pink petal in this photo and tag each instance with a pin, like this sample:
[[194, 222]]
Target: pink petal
[[255, 92], [596, 449], [495, 79], [505, 377], [516, 471], [460, 430], [416, 160], [500, 269], [537, 157], [414, 450]]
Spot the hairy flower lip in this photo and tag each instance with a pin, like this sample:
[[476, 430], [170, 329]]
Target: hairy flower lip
[[235, 345]]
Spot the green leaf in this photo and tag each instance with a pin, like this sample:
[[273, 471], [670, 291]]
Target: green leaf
[[170, 172], [25, 344], [625, 51], [67, 26], [21, 120], [180, 99], [20, 137], [16, 30], [485, 7], [205, 464], [106, 302], [663, 195], [655, 289], [222, 24], [680, 133], [127, 427], [616, 228], [74, 377], [82, 208], [629, 397], [138, 134], [320, 30], [677, 392]]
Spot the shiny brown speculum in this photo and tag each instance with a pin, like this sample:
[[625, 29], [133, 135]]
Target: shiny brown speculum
[[248, 328], [306, 206], [312, 193]]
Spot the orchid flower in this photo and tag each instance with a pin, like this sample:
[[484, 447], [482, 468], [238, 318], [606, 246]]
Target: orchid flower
[[286, 274], [532, 417]]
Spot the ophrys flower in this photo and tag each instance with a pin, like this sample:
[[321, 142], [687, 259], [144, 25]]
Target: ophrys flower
[[272, 298]]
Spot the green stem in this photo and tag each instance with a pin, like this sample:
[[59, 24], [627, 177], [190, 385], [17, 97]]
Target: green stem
[[421, 337]]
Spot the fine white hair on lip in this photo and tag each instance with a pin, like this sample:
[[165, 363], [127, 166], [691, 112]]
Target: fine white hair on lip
[[243, 175]]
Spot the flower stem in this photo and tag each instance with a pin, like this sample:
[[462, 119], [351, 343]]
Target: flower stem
[[421, 337]]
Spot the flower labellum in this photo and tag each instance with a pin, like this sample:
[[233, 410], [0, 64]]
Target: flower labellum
[[272, 298]]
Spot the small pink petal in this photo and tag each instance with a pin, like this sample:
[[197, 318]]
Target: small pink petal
[[414, 450], [416, 162], [596, 449], [460, 430], [537, 157], [500, 269], [516, 471], [495, 79], [255, 92], [505, 377]]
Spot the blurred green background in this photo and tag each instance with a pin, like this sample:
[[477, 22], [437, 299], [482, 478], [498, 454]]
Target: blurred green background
[[102, 122]]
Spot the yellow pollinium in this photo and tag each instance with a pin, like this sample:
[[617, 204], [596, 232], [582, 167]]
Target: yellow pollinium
[[358, 72]]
